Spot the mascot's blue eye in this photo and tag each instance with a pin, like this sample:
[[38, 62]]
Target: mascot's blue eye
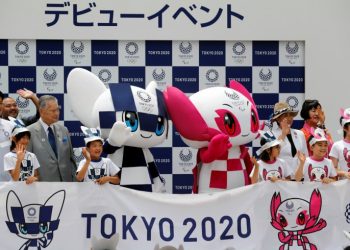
[[131, 120], [23, 228], [43, 227], [160, 126]]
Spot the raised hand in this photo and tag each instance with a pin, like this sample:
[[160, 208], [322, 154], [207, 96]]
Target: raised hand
[[25, 93], [217, 149], [254, 161], [119, 134], [285, 127], [20, 152], [321, 115], [86, 154]]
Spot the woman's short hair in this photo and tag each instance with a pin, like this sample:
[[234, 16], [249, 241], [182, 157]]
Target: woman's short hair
[[307, 106]]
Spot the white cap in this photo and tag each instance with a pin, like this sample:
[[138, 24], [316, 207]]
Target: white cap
[[345, 116], [318, 135], [271, 141], [19, 126], [92, 134]]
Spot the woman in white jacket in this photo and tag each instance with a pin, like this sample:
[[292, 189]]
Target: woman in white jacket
[[294, 139]]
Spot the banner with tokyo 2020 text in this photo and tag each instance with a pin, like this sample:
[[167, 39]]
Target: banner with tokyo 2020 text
[[283, 215]]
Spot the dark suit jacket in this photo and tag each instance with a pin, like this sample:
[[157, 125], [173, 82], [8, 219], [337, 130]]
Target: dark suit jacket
[[52, 168]]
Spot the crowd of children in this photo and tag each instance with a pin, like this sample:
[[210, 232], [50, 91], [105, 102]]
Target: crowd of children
[[324, 161]]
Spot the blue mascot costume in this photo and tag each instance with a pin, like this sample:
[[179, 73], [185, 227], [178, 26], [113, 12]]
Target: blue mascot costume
[[131, 119]]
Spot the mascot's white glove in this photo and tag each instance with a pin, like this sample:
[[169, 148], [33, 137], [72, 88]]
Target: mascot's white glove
[[158, 185], [119, 134]]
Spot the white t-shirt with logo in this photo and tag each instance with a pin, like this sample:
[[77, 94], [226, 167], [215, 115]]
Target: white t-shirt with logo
[[341, 151], [277, 168], [316, 170], [98, 169], [28, 165]]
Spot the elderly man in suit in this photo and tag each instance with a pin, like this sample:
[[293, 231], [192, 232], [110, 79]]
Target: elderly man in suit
[[51, 144]]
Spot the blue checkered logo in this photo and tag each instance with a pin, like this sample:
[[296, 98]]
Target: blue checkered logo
[[22, 48], [77, 47], [78, 155], [238, 48], [185, 155], [105, 75], [185, 47], [21, 102], [144, 96], [50, 74], [292, 101], [131, 48], [292, 48], [212, 75], [265, 76], [158, 76]]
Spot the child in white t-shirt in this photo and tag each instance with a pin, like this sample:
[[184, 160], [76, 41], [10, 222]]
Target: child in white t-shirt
[[94, 167], [21, 164], [340, 152], [316, 167], [270, 166]]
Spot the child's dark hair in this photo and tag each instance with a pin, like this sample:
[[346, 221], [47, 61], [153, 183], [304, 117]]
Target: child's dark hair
[[89, 143], [346, 125], [264, 156], [307, 106], [18, 137]]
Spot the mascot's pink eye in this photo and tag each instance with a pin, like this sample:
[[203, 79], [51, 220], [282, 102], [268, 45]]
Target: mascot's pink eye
[[229, 123], [302, 217], [322, 176], [283, 221], [254, 121]]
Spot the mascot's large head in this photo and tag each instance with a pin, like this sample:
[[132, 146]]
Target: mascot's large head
[[142, 110], [212, 111]]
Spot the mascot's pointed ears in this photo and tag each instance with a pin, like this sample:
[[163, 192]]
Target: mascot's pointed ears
[[185, 116], [152, 88], [83, 89]]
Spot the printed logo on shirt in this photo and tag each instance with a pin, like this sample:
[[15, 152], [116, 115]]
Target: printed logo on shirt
[[27, 169], [272, 173], [317, 173], [95, 173]]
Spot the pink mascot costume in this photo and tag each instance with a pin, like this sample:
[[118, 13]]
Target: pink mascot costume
[[218, 121]]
